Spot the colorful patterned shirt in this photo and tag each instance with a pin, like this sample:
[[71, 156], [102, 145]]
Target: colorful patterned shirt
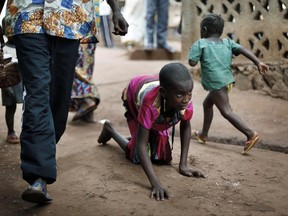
[[71, 19]]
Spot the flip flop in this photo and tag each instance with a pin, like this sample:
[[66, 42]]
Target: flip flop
[[250, 143], [198, 137]]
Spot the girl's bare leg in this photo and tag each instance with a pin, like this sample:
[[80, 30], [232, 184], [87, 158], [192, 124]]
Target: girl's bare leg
[[109, 132]]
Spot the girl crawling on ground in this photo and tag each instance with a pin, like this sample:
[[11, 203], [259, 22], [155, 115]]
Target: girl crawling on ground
[[154, 104]]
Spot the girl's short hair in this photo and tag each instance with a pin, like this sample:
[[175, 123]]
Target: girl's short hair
[[173, 72], [214, 24]]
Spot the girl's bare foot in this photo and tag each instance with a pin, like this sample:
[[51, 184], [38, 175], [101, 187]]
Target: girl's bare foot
[[12, 138], [105, 135]]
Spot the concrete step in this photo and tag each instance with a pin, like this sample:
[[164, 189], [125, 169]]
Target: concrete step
[[155, 54]]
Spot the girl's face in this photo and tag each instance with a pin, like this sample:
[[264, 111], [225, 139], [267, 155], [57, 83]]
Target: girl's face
[[179, 95]]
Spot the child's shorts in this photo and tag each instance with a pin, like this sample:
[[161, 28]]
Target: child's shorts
[[12, 95], [229, 87]]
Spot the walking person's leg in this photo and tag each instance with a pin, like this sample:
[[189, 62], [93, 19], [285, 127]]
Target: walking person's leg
[[11, 96], [9, 118], [150, 23], [38, 145], [64, 54], [208, 114], [202, 136], [162, 25], [85, 96], [221, 100], [162, 22]]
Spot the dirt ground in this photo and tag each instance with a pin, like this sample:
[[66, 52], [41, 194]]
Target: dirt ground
[[97, 180]]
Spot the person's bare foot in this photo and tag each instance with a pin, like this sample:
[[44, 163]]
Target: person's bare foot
[[12, 138], [87, 107], [105, 135]]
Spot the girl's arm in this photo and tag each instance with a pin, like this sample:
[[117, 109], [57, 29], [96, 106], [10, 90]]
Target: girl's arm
[[185, 136], [158, 190], [262, 68]]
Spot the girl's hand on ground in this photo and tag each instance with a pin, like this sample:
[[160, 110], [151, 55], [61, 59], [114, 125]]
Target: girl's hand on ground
[[191, 172], [159, 193]]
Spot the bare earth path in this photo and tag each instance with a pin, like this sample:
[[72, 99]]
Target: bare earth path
[[98, 180]]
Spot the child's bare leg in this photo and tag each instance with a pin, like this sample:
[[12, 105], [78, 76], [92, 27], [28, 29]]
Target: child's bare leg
[[221, 100], [208, 115], [109, 132], [9, 118]]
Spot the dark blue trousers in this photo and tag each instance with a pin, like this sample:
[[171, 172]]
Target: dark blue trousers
[[47, 66]]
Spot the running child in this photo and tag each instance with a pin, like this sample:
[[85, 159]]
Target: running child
[[215, 56], [155, 103]]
